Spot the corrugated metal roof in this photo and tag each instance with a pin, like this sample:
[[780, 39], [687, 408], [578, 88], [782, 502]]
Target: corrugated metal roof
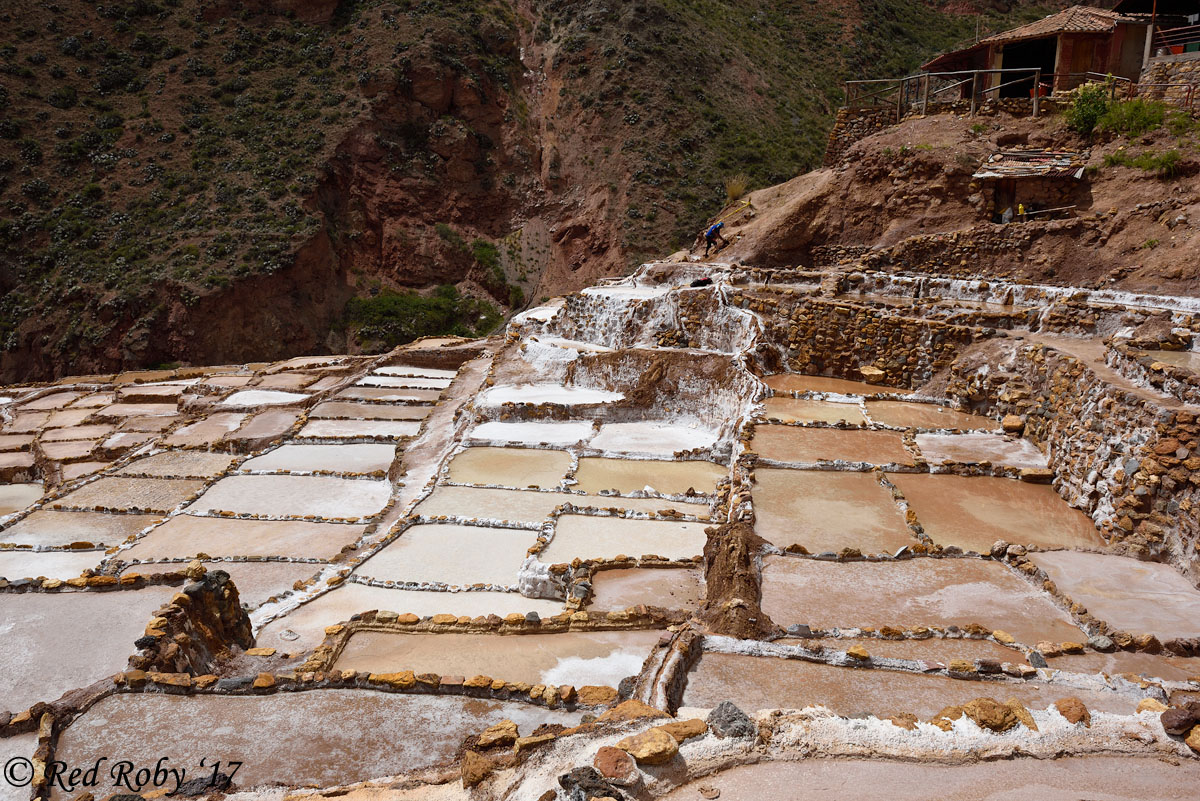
[[1076, 19], [1033, 164]]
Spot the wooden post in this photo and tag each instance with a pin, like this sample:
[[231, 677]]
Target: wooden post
[[900, 100], [974, 78], [925, 96], [1037, 91]]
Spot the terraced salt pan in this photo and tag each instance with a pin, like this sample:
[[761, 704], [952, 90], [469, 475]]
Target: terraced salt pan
[[911, 593], [597, 474], [120, 410], [1188, 360], [511, 467], [369, 411], [351, 429], [47, 528], [76, 432], [531, 433], [55, 642], [537, 394], [650, 506], [827, 511], [262, 397], [334, 736], [55, 400], [1165, 666], [578, 658], [143, 494], [452, 554], [793, 410], [354, 458], [61, 565], [794, 382], [337, 605], [1062, 779], [606, 538], [933, 649], [973, 512], [1139, 597], [16, 747], [295, 496], [189, 535], [180, 464], [256, 581], [977, 448], [268, 425], [754, 683], [412, 382], [286, 381], [627, 292], [421, 372], [389, 395], [492, 504], [651, 437], [927, 415], [79, 469], [810, 445], [676, 588], [68, 451], [209, 430]]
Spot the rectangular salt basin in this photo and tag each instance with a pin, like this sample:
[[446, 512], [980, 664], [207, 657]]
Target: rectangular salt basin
[[934, 649], [511, 467], [973, 512], [976, 448], [351, 429], [295, 496], [60, 565], [534, 433], [911, 593], [56, 642], [143, 494], [17, 747], [369, 411], [256, 582], [423, 372], [794, 382], [15, 497], [354, 458], [810, 445], [410, 382], [452, 554], [308, 622], [189, 535], [827, 511], [55, 529], [388, 394], [1138, 597], [903, 414], [538, 394], [575, 658], [1165, 666], [1188, 360], [793, 410], [207, 431], [674, 588], [651, 437], [597, 474], [486, 503], [333, 737], [180, 464], [603, 538], [754, 683]]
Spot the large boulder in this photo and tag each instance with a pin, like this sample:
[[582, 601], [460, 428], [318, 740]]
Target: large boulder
[[729, 721]]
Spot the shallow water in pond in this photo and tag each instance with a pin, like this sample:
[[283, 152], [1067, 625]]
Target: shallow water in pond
[[827, 511], [512, 467], [809, 445], [754, 683], [676, 588], [794, 382], [492, 504], [209, 430], [589, 537], [1188, 360], [15, 497], [596, 474], [189, 535], [803, 410], [911, 593], [452, 554], [50, 528], [295, 496], [352, 429], [976, 448], [354, 458], [651, 437], [48, 564], [926, 415], [576, 658], [1153, 666], [973, 512], [334, 736], [368, 411]]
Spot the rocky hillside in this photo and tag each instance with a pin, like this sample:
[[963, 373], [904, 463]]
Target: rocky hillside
[[202, 180]]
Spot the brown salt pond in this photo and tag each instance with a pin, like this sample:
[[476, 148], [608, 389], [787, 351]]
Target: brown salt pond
[[15, 497], [597, 474], [1188, 360], [179, 464], [255, 581], [144, 494], [675, 588], [792, 410], [576, 658], [794, 382], [1139, 597], [60, 565], [485, 503], [934, 649], [308, 622], [352, 458], [55, 642], [1152, 666], [911, 593], [55, 529], [973, 512], [652, 437], [764, 682], [808, 445], [333, 736], [189, 535], [904, 414], [369, 411], [977, 448], [1061, 779], [295, 496], [512, 467], [452, 554], [206, 431], [591, 537], [827, 511]]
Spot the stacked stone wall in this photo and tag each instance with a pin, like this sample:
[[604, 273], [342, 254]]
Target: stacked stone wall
[[853, 124], [1182, 69]]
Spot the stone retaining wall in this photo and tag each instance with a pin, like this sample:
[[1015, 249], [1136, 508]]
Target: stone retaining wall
[[853, 124], [1180, 69]]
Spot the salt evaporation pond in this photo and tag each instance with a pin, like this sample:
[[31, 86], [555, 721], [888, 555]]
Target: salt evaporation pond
[[804, 410], [491, 504], [537, 394], [810, 445], [597, 474], [46, 528], [15, 497], [144, 494], [794, 382], [295, 496], [353, 458], [673, 588], [451, 554], [262, 397], [513, 467], [627, 292], [368, 411], [256, 582], [413, 382], [651, 437], [903, 414], [533, 433], [355, 429], [977, 448], [61, 565], [180, 464], [189, 535], [422, 372], [588, 537], [1187, 359], [934, 649]]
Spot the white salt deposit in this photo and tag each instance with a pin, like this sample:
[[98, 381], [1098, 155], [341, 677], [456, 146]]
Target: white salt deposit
[[411, 382], [533, 433], [548, 393], [629, 292], [295, 496], [421, 372], [262, 397], [349, 429], [652, 437]]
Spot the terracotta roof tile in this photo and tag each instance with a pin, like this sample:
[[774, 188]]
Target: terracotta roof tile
[[1076, 19]]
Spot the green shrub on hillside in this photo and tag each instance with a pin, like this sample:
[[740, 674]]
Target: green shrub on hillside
[[393, 318], [1164, 165], [1133, 117], [1089, 104]]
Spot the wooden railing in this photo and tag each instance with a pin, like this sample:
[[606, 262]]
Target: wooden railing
[[1177, 40]]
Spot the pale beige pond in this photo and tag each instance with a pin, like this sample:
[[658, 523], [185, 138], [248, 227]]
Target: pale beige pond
[[676, 588], [589, 537], [352, 458], [978, 448], [597, 474], [648, 436], [1188, 360], [452, 554], [60, 565], [295, 496], [180, 464], [15, 497], [903, 414], [794, 382], [368, 411], [145, 494], [827, 511], [487, 503], [209, 430], [351, 429], [973, 512], [810, 445], [792, 410], [256, 581], [55, 529], [512, 467], [189, 535]]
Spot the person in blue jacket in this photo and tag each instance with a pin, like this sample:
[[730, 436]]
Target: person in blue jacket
[[712, 235]]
